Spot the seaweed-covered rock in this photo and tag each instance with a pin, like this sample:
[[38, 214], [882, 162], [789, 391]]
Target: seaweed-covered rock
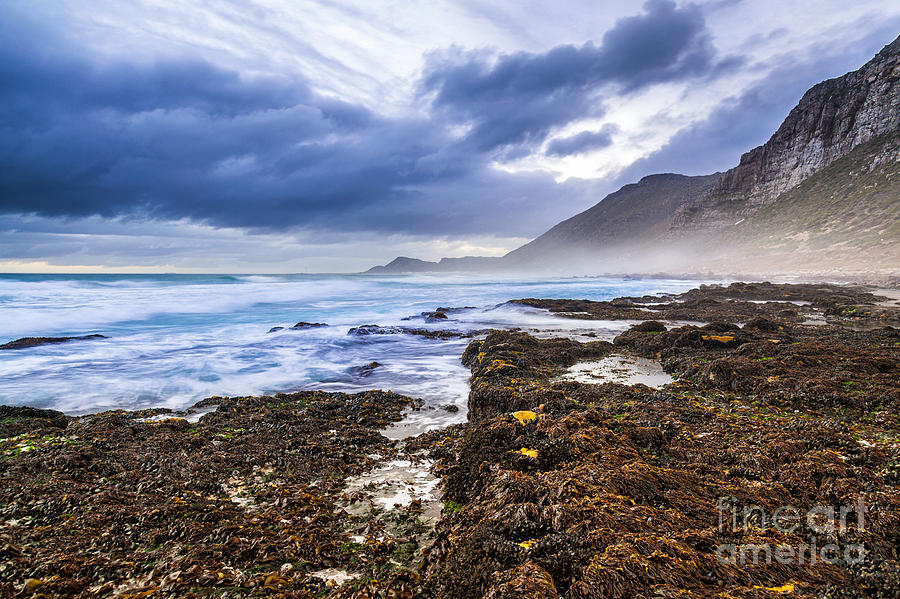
[[247, 501], [649, 326], [738, 302], [654, 343], [528, 581], [374, 329], [623, 491], [511, 370], [867, 313], [15, 420], [763, 325]]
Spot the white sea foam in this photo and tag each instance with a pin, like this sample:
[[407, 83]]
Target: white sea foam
[[173, 340]]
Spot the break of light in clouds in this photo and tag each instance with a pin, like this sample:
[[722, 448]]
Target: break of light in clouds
[[309, 136]]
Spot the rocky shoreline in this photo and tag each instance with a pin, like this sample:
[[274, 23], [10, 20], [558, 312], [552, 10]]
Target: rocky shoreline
[[783, 396]]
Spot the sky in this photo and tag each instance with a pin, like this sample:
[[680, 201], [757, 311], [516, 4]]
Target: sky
[[305, 136]]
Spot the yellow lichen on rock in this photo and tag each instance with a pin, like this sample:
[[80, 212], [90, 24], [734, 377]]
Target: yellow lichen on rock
[[498, 365], [31, 586], [524, 416], [719, 338], [274, 581], [785, 588]]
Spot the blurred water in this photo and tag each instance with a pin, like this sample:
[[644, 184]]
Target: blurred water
[[175, 339]]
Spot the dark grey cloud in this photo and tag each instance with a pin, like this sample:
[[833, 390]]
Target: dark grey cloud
[[749, 119], [83, 134], [187, 139], [518, 98], [581, 142]]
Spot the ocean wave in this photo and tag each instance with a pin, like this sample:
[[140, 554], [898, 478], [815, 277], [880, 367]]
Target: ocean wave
[[173, 340]]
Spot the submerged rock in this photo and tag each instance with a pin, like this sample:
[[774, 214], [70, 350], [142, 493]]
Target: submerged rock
[[26, 342], [438, 314], [374, 329], [300, 326], [309, 325], [444, 334], [365, 370]]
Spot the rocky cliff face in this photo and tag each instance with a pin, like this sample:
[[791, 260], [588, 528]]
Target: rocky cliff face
[[831, 119], [844, 219]]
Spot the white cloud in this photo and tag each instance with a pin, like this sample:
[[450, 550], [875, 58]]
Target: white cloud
[[372, 53]]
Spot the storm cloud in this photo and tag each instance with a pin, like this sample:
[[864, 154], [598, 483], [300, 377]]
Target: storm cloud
[[278, 122], [519, 98], [185, 139], [746, 120], [581, 142]]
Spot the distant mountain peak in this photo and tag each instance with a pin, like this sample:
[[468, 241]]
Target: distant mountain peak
[[403, 264]]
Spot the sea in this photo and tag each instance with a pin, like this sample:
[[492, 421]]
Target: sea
[[172, 340]]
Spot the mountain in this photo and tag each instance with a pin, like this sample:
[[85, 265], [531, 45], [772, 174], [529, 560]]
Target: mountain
[[822, 195], [413, 265], [629, 218], [403, 264]]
